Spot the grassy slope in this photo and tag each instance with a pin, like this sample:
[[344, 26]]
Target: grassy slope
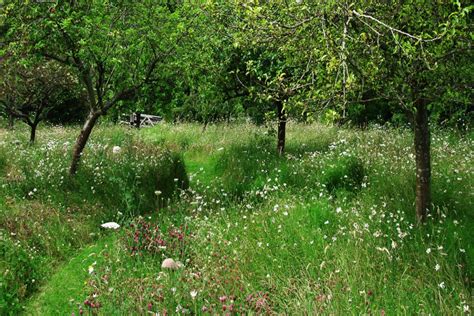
[[72, 277], [370, 247]]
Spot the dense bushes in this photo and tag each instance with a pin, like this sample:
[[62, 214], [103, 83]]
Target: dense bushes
[[70, 111]]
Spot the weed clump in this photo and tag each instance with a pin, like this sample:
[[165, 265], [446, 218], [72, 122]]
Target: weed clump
[[344, 173], [242, 167]]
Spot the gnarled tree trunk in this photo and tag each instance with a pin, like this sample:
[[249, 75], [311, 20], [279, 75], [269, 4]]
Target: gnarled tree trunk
[[423, 160], [281, 128], [82, 140]]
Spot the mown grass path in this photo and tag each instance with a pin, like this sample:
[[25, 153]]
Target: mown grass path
[[60, 296]]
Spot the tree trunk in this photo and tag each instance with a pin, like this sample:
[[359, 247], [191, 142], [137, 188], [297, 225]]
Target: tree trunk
[[33, 127], [82, 140], [138, 119], [11, 121], [281, 128], [423, 160]]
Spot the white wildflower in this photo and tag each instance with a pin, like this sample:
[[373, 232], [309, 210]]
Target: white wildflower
[[90, 269], [116, 149], [110, 225]]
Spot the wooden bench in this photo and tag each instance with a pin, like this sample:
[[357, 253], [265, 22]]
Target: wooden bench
[[138, 120]]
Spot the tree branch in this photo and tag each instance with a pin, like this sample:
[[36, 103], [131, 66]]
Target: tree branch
[[362, 15]]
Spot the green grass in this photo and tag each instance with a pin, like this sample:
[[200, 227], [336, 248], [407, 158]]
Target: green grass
[[328, 228], [59, 295], [46, 215]]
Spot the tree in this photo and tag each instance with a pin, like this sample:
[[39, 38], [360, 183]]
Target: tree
[[260, 70], [29, 92], [113, 47], [286, 49], [422, 48], [198, 84], [336, 53]]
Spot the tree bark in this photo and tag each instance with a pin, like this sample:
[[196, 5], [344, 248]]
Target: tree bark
[[11, 121], [138, 119], [423, 160], [281, 128], [82, 140], [33, 127]]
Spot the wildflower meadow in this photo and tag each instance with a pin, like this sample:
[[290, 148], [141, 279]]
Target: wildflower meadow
[[283, 157], [181, 221]]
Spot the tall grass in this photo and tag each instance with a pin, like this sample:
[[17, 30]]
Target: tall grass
[[46, 214], [328, 228]]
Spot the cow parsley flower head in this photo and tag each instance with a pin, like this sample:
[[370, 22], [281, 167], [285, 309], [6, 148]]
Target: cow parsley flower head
[[110, 225], [116, 149]]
